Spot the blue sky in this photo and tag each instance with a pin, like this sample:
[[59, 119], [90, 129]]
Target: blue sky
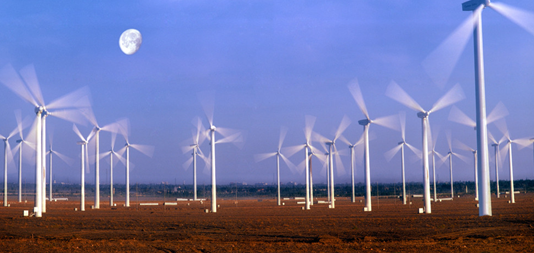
[[270, 63]]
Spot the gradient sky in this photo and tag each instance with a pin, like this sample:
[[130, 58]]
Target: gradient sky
[[270, 63]]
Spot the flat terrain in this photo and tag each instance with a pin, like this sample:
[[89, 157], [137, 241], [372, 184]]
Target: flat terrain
[[252, 225]]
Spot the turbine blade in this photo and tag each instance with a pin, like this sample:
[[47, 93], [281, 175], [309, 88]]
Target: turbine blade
[[113, 139], [390, 122], [454, 95], [456, 115], [207, 100], [64, 158], [283, 133], [344, 140], [290, 151], [188, 163], [89, 115], [76, 99], [77, 131], [497, 113], [522, 18], [392, 152], [395, 92], [449, 139], [308, 126], [356, 92], [29, 76], [490, 136], [416, 151], [72, 115], [402, 124], [462, 157], [124, 128], [501, 125], [345, 122], [11, 79], [440, 63], [523, 143], [462, 146], [145, 149], [319, 138], [261, 157], [289, 164], [120, 158], [187, 149]]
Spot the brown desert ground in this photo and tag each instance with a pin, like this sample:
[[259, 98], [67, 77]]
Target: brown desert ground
[[252, 225]]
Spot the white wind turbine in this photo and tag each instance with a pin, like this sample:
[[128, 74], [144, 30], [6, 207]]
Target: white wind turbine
[[64, 158], [463, 146], [450, 154], [233, 136], [144, 149], [389, 155], [278, 154], [112, 154], [66, 106], [8, 157], [197, 139], [308, 130], [456, 115], [440, 63], [352, 164], [389, 122], [508, 147], [21, 143], [434, 136], [454, 95], [498, 161], [333, 152], [88, 112], [84, 162]]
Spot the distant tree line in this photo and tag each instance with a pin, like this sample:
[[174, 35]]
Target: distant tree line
[[267, 191]]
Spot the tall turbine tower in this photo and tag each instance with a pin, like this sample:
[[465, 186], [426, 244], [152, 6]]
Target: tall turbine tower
[[389, 155], [30, 91], [450, 154], [50, 154], [389, 122], [463, 146], [352, 166], [454, 95], [112, 162]]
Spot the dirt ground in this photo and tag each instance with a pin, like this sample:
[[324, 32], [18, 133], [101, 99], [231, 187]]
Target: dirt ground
[[253, 225]]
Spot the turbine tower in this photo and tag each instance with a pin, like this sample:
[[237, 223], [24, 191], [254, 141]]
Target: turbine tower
[[83, 143], [64, 158], [197, 139], [454, 95], [389, 155], [112, 162], [450, 154], [463, 146], [389, 122], [8, 157]]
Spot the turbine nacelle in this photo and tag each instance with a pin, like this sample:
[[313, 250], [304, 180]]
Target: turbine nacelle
[[365, 122], [81, 143], [213, 128], [402, 142], [40, 109], [494, 145], [19, 141], [474, 4], [423, 115]]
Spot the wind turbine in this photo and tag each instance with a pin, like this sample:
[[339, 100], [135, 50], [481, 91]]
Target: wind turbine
[[64, 158], [111, 154], [523, 142], [389, 155], [278, 154], [21, 142], [495, 146], [8, 157], [441, 62], [308, 130], [84, 162], [66, 106], [88, 112], [389, 122], [454, 95], [456, 115], [463, 146], [207, 101], [332, 151], [450, 154], [145, 149], [197, 139]]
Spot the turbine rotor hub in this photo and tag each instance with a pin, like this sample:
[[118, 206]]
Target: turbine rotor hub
[[364, 122], [423, 115]]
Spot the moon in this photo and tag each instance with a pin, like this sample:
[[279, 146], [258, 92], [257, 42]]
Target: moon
[[130, 41]]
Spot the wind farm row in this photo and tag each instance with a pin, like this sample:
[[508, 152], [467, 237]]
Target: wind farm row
[[328, 149]]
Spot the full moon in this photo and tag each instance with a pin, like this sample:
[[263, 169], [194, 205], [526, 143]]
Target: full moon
[[130, 41]]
